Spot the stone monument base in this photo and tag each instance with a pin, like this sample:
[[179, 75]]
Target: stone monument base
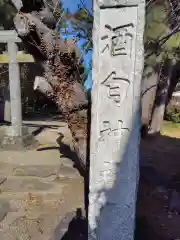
[[24, 142]]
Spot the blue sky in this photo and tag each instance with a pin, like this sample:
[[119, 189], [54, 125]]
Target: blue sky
[[72, 6]]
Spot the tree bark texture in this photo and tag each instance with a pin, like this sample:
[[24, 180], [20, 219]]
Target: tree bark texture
[[35, 24], [161, 97], [149, 86], [173, 81]]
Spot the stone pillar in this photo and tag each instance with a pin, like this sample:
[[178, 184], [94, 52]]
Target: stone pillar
[[115, 126], [7, 105], [15, 90], [16, 136]]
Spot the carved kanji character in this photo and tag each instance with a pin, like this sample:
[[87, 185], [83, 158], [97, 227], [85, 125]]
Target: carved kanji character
[[119, 40], [111, 128], [118, 87]]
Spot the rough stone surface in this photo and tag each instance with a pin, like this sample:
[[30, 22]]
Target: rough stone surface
[[37, 171], [25, 185], [37, 190], [40, 186], [15, 90], [18, 142], [44, 171], [62, 227], [2, 179], [4, 209], [36, 168], [41, 218], [117, 69]]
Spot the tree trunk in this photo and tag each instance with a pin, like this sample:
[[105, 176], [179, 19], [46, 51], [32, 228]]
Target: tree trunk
[[161, 97], [35, 25], [173, 82], [149, 86]]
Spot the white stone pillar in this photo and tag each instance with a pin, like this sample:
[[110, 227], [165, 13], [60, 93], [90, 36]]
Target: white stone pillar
[[7, 105], [115, 126], [15, 90]]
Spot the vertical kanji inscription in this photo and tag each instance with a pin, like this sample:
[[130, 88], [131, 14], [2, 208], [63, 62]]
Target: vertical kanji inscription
[[117, 61]]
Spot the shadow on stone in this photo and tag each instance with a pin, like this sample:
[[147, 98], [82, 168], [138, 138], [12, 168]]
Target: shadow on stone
[[72, 228], [47, 148], [67, 152], [5, 123], [38, 131], [40, 128]]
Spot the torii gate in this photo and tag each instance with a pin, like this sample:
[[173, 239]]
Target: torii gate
[[16, 132]]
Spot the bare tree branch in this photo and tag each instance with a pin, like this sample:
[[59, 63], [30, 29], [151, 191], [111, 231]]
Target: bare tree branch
[[41, 85], [60, 61]]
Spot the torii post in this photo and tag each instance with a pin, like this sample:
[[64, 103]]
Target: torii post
[[14, 135]]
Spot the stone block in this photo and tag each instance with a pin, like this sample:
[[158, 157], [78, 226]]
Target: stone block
[[12, 142], [25, 185], [115, 123], [4, 208]]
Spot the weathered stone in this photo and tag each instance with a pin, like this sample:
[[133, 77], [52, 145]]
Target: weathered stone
[[5, 110], [37, 171], [4, 209], [22, 229], [67, 162], [33, 163], [65, 171], [25, 185], [15, 137], [44, 171], [69, 226], [34, 213], [18, 142], [6, 169], [115, 123], [29, 158], [15, 90], [2, 179]]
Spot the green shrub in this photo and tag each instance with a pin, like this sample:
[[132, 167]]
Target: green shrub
[[173, 113]]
